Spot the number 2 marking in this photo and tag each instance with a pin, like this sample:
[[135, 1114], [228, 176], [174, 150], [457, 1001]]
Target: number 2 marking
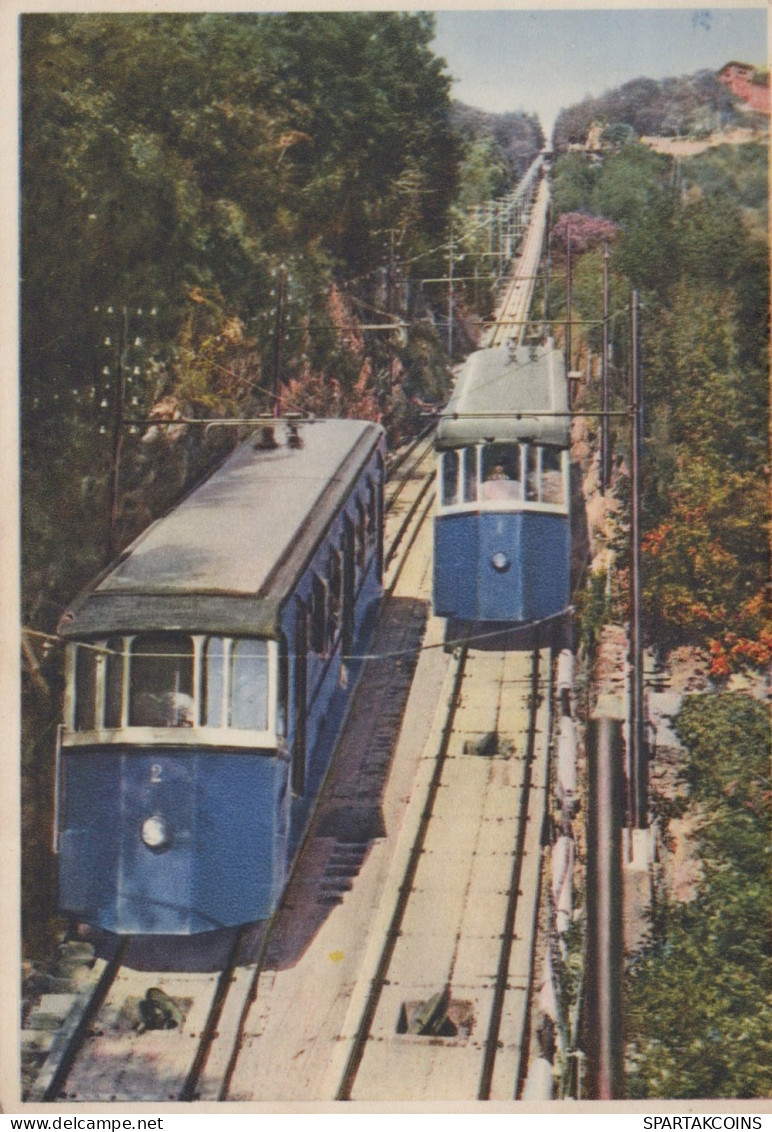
[[155, 772]]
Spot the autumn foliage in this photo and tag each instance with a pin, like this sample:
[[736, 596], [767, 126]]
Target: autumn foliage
[[699, 263]]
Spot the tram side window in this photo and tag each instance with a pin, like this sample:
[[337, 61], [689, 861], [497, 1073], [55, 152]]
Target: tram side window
[[372, 514], [249, 685], [282, 704], [318, 615], [85, 687], [449, 477], [334, 591], [361, 537], [161, 681], [501, 472], [553, 487]]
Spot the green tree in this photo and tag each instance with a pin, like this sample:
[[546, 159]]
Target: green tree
[[699, 1012]]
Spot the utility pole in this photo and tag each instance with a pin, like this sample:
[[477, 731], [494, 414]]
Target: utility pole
[[502, 260], [569, 300], [548, 265], [450, 296], [280, 300], [390, 275], [115, 463], [605, 449], [603, 1041], [637, 784]]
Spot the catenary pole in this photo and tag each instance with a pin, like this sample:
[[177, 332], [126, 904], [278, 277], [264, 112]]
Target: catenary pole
[[637, 786]]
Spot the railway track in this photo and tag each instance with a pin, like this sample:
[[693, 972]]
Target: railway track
[[442, 1005], [102, 1051], [515, 305]]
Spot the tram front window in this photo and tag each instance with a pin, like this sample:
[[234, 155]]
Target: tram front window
[[501, 472], [161, 685]]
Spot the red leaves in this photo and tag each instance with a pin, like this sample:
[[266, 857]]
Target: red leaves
[[651, 542], [731, 653]]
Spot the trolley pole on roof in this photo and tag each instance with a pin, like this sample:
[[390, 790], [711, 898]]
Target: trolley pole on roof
[[637, 784]]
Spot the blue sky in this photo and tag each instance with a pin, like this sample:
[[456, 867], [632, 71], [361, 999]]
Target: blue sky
[[542, 60]]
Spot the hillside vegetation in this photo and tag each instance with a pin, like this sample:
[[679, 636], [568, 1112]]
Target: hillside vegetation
[[692, 240], [497, 149], [691, 236], [699, 994], [689, 106]]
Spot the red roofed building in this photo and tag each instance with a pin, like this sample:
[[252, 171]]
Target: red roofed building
[[748, 83]]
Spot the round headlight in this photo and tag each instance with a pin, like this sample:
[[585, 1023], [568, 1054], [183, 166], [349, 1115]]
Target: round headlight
[[155, 832], [500, 562]]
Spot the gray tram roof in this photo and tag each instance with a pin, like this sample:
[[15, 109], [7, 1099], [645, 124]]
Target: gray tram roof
[[500, 395], [229, 555]]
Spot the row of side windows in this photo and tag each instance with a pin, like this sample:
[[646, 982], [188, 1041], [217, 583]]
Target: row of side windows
[[333, 592]]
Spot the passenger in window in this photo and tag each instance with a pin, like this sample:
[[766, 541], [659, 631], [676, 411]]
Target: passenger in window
[[499, 485], [164, 709]]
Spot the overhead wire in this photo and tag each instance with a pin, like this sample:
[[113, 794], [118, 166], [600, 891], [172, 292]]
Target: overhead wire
[[105, 650]]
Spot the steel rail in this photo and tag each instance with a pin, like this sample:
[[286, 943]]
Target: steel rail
[[405, 455], [59, 1068], [399, 535], [392, 934], [209, 1031], [502, 972], [405, 889], [392, 498], [413, 534]]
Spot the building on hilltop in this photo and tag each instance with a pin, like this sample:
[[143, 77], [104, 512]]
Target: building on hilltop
[[748, 83]]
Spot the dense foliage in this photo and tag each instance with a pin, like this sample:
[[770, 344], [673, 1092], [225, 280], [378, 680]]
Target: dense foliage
[[693, 105], [699, 1008], [689, 239], [193, 188], [496, 150]]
